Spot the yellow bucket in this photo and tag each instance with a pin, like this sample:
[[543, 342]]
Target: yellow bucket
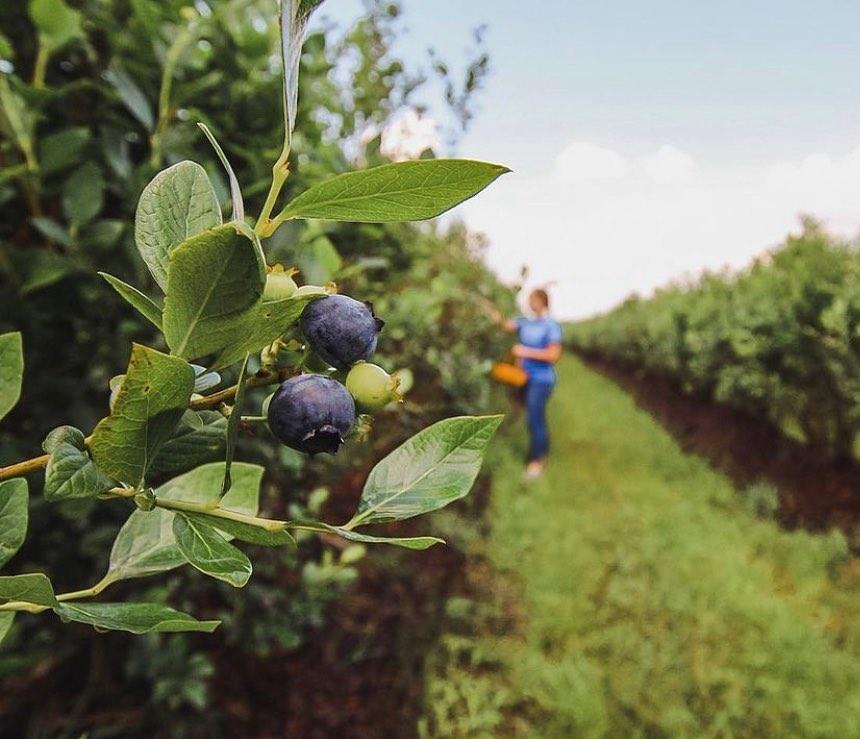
[[509, 374]]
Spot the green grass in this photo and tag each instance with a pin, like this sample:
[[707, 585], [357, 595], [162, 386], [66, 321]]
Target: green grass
[[652, 602]]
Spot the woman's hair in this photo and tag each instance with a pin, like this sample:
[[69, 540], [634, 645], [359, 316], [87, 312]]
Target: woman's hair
[[541, 295]]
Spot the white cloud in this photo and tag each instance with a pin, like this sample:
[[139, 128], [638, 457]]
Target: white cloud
[[585, 162], [668, 165], [603, 225]]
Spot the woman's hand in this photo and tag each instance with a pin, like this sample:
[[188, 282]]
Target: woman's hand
[[495, 315]]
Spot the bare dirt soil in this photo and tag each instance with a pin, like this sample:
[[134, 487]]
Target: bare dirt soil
[[816, 492]]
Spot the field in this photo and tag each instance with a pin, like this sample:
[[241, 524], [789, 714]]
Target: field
[[648, 599]]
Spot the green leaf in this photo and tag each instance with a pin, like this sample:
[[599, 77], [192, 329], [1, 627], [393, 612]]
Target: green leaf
[[17, 120], [70, 472], [13, 517], [294, 17], [213, 278], [7, 51], [190, 419], [152, 398], [44, 268], [132, 96], [408, 542], [138, 618], [208, 551], [34, 588], [83, 194], [318, 260], [263, 324], [192, 445], [64, 435], [435, 467], [233, 425], [52, 230], [204, 380], [235, 190], [177, 204], [57, 22], [61, 150], [245, 531], [146, 545], [102, 235], [6, 619], [404, 191], [134, 297], [11, 370]]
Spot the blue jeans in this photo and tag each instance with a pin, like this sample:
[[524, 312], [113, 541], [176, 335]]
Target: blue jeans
[[537, 394]]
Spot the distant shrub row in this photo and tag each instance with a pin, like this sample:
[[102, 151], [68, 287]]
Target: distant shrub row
[[780, 340]]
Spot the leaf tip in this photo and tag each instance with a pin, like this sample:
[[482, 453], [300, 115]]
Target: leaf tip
[[495, 420]]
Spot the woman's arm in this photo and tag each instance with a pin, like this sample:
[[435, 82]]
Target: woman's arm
[[496, 317], [551, 354]]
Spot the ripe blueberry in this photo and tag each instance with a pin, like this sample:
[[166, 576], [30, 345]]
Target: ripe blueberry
[[342, 331], [371, 386], [311, 413]]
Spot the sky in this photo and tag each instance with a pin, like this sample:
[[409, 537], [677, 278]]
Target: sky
[[650, 141]]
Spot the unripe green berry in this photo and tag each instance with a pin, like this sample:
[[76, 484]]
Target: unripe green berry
[[279, 284], [371, 386], [406, 380]]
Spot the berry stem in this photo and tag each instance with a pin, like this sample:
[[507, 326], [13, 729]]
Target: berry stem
[[280, 171]]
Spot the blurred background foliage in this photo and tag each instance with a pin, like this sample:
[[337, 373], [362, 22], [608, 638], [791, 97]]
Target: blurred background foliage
[[779, 340], [97, 96]]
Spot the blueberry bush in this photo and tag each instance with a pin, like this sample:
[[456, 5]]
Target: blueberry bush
[[217, 307], [778, 340]]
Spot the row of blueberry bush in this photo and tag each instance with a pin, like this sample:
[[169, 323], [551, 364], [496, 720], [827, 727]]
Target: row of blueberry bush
[[779, 340]]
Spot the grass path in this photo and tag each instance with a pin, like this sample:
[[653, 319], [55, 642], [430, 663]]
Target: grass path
[[652, 602]]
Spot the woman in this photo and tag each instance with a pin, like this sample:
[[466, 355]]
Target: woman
[[539, 348]]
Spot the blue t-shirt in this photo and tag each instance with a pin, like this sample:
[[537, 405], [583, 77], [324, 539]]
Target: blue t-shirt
[[538, 333]]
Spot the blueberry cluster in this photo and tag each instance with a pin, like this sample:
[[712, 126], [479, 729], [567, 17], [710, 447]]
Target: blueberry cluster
[[314, 413]]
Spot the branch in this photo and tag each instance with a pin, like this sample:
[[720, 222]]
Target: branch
[[258, 380], [19, 469], [21, 605], [24, 468]]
